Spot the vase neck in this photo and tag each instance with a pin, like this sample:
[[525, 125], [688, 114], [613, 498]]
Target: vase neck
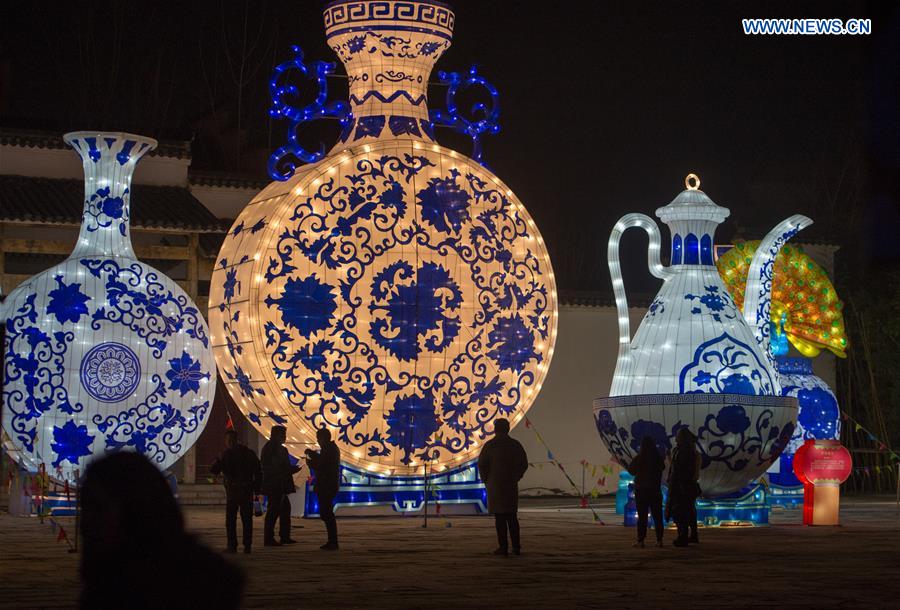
[[108, 160], [388, 49]]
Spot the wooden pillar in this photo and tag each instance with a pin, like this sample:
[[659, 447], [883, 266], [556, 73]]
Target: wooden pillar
[[193, 265]]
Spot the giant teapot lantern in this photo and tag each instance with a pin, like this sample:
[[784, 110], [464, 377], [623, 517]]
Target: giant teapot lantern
[[697, 361], [393, 291], [103, 352]]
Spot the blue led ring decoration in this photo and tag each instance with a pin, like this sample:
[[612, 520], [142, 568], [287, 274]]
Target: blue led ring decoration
[[282, 109], [486, 119]]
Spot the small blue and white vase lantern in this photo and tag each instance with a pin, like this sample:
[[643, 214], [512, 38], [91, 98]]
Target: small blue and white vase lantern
[[103, 352], [697, 361], [819, 416], [393, 291]]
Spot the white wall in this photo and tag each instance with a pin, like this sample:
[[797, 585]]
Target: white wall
[[223, 201], [581, 370]]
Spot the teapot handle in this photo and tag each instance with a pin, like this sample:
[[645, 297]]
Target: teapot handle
[[615, 270]]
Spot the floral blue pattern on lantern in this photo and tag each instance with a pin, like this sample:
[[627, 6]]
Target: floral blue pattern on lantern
[[185, 374], [67, 303], [307, 305], [71, 442]]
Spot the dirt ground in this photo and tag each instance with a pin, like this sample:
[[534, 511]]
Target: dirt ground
[[568, 561]]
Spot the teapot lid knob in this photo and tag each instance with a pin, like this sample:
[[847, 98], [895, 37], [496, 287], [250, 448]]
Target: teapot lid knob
[[692, 182]]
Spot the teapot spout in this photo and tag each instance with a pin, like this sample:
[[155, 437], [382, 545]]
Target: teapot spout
[[758, 294]]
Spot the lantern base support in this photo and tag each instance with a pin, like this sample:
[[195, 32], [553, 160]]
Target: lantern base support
[[747, 507], [457, 491], [786, 497]]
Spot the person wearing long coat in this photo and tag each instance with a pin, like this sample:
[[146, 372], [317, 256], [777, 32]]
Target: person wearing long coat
[[502, 464], [326, 464], [647, 468], [683, 486], [278, 482], [243, 476]]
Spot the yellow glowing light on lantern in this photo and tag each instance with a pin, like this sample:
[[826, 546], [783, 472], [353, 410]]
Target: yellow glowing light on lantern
[[793, 270]]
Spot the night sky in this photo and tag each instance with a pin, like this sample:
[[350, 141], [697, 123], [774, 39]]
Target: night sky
[[606, 105]]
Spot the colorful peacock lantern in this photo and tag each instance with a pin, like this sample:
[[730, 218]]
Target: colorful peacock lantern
[[807, 313], [805, 305]]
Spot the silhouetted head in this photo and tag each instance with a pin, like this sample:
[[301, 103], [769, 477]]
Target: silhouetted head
[[127, 506], [279, 434], [684, 437], [648, 446], [230, 438], [132, 532], [501, 427], [323, 436]]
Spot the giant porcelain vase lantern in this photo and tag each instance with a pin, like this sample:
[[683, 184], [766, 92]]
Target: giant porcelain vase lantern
[[393, 291], [103, 352], [697, 361]]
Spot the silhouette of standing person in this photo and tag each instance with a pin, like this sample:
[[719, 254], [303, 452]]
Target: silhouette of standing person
[[647, 468], [278, 482], [326, 463], [502, 464], [683, 487], [133, 532], [243, 476]]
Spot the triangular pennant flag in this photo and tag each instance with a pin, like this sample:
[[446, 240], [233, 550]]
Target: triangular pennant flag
[[61, 535], [527, 423], [229, 425], [594, 471], [549, 456], [584, 502]]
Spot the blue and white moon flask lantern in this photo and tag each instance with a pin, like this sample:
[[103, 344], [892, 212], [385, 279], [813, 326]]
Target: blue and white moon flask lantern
[[393, 290], [103, 352], [696, 361]]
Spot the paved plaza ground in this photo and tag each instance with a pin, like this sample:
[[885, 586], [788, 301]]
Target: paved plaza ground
[[568, 562]]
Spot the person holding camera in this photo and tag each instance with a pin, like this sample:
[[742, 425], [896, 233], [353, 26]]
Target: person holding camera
[[326, 464], [278, 482], [243, 475]]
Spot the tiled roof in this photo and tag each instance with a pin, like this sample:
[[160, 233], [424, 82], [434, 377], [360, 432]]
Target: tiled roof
[[207, 178], [587, 298], [61, 201], [28, 138]]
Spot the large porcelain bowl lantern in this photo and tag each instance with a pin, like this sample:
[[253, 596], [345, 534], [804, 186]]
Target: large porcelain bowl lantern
[[393, 291], [102, 352], [697, 361]]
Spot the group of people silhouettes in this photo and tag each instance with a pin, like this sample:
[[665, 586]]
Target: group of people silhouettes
[[502, 464], [273, 475], [684, 471], [128, 511]]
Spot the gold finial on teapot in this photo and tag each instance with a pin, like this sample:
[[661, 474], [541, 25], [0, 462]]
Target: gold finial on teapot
[[692, 182]]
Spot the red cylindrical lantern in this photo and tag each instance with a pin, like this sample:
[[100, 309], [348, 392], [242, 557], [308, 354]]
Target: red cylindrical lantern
[[822, 465]]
